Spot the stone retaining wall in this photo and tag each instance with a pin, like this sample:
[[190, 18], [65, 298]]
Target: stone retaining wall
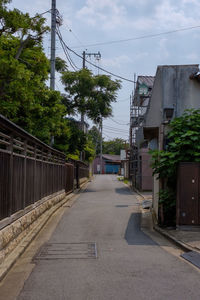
[[11, 235], [20, 229]]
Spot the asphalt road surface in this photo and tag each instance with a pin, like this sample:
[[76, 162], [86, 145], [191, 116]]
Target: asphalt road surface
[[98, 251]]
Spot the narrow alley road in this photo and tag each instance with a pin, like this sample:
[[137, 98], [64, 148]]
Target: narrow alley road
[[98, 252]]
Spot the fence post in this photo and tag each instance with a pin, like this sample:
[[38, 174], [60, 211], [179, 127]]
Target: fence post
[[77, 175], [73, 169], [34, 172], [24, 185], [11, 177]]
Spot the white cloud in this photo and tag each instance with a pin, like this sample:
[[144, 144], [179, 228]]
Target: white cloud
[[106, 14], [165, 14], [193, 57], [117, 61], [37, 7], [191, 2], [163, 48], [141, 55], [170, 16]]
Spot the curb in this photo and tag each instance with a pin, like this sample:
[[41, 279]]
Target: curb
[[178, 243], [136, 191], [171, 238], [11, 259]]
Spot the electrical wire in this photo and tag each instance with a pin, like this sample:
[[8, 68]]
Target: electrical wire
[[48, 11], [118, 122], [73, 65], [66, 51], [114, 128], [115, 75], [76, 37], [116, 135], [139, 37], [125, 100], [107, 135], [66, 54], [115, 132]]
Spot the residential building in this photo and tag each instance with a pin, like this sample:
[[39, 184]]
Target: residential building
[[176, 88], [140, 170], [110, 164]]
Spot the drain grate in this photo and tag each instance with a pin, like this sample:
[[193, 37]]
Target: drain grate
[[55, 251], [193, 257]]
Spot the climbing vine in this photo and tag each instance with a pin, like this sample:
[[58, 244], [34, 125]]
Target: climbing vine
[[183, 146]]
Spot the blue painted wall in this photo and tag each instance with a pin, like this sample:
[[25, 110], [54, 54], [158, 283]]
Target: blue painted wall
[[112, 169]]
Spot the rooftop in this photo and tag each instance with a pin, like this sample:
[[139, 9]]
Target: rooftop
[[111, 157], [147, 80]]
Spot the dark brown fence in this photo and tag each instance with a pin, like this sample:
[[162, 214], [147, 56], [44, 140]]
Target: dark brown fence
[[81, 170], [29, 169]]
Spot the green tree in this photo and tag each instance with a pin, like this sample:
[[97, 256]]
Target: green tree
[[114, 146], [89, 94], [24, 96], [60, 65], [95, 136], [24, 69], [73, 140], [104, 93], [183, 146]]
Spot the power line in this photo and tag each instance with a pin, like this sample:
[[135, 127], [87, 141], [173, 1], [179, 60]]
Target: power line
[[114, 128], [117, 134], [124, 100], [73, 65], [118, 76], [76, 37], [107, 135], [139, 37], [48, 11], [118, 122]]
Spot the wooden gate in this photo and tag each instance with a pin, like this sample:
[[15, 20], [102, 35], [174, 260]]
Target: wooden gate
[[188, 194]]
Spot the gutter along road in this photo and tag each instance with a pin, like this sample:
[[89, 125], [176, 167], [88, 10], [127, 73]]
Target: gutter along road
[[96, 250]]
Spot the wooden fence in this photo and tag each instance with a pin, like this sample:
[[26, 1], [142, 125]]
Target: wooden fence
[[31, 170]]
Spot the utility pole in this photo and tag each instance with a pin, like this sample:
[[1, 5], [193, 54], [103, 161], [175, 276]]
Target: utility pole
[[53, 44], [82, 114], [53, 51]]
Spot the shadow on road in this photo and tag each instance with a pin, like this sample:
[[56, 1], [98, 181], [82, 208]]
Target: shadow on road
[[123, 191], [134, 235], [89, 191]]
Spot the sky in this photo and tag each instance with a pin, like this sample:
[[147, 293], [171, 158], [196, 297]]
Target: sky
[[89, 22]]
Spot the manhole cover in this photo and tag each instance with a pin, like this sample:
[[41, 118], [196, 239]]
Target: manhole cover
[[67, 251], [193, 257]]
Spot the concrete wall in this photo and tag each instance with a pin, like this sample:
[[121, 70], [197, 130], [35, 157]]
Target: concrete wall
[[154, 113], [97, 162], [146, 170], [155, 197], [173, 89]]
